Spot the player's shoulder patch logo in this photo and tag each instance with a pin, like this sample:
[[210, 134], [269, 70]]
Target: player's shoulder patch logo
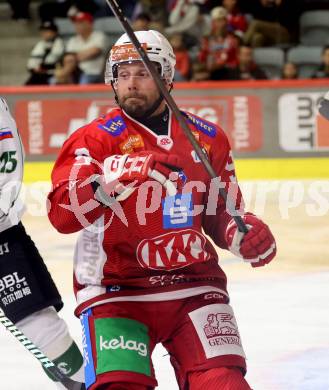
[[201, 124], [5, 133], [114, 126], [134, 141]]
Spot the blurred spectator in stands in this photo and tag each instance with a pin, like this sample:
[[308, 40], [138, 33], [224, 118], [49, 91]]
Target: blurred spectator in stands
[[246, 68], [219, 49], [45, 55], [237, 22], [183, 66], [185, 17], [90, 47], [67, 70], [156, 8], [142, 22], [200, 72], [289, 71], [20, 9], [275, 22], [323, 71], [62, 8], [157, 25]]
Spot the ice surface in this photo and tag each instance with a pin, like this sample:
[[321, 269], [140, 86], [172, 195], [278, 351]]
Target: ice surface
[[282, 309], [284, 326]]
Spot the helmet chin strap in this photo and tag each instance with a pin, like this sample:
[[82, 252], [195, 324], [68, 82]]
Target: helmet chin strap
[[148, 112]]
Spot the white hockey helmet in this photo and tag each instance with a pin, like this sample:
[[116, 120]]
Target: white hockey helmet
[[154, 43]]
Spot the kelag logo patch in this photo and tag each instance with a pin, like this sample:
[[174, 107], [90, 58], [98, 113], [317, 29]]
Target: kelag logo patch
[[114, 126], [122, 344]]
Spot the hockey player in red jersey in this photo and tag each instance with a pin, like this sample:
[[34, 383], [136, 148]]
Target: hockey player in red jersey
[[145, 271]]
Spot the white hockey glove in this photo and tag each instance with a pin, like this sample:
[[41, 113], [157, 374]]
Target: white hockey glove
[[124, 173]]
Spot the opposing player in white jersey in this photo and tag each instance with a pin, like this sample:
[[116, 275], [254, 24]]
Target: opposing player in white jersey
[[28, 294]]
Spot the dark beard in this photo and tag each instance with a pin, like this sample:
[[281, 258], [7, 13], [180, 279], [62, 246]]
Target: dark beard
[[140, 109], [134, 110]]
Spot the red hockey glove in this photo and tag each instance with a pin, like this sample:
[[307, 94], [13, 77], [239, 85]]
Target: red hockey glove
[[126, 172], [257, 246]]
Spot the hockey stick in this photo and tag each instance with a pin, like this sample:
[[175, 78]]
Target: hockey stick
[[69, 383], [173, 107]]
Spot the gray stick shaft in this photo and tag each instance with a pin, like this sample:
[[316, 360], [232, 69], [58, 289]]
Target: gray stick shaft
[[171, 103], [47, 364]]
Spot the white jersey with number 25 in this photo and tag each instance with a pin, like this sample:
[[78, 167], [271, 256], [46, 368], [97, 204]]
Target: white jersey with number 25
[[11, 169]]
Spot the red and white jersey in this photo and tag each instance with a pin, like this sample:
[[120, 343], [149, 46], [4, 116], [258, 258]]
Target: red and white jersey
[[152, 247]]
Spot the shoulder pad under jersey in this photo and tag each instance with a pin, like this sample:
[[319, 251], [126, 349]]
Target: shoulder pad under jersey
[[200, 124]]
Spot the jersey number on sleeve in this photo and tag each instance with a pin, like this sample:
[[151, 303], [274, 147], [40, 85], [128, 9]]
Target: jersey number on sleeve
[[8, 162]]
